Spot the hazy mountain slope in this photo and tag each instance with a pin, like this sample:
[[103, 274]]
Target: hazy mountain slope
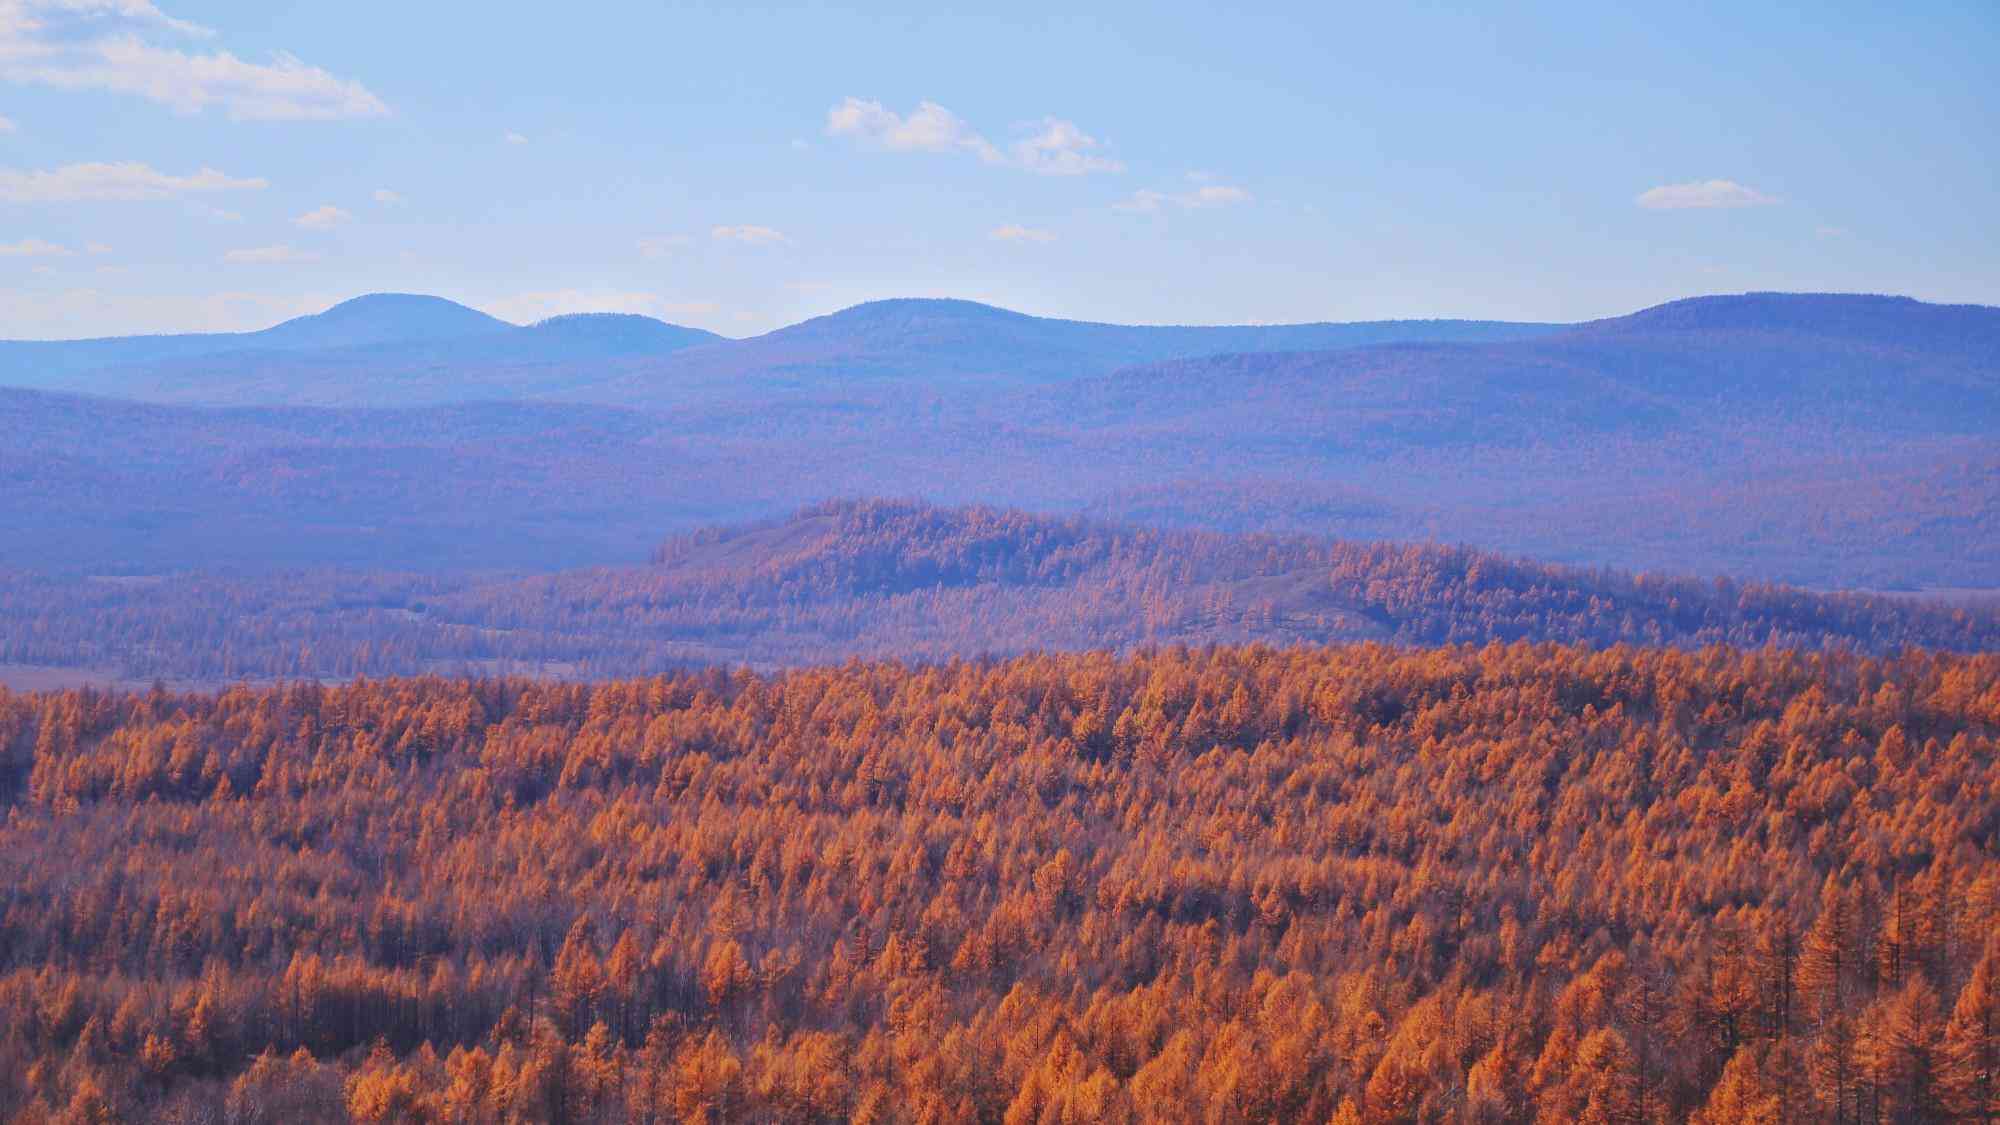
[[911, 581], [604, 335], [1766, 358], [1972, 331], [390, 350], [1811, 457], [119, 486], [381, 350], [549, 360], [379, 318], [373, 319], [953, 345]]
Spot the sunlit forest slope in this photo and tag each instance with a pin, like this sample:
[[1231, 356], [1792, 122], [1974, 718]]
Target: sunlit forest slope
[[1496, 884]]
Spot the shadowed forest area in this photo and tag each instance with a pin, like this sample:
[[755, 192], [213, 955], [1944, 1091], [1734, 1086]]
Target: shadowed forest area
[[912, 581]]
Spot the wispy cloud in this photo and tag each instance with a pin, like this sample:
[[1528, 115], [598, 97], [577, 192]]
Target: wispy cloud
[[1148, 201], [661, 245], [1702, 194], [1051, 146], [281, 254], [1216, 195], [33, 248], [1014, 232], [96, 248], [516, 139], [7, 125], [322, 218], [129, 180], [753, 235], [133, 13], [1832, 232], [388, 198], [928, 128], [112, 45], [1059, 148]]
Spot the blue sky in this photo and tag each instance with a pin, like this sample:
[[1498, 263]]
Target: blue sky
[[184, 165]]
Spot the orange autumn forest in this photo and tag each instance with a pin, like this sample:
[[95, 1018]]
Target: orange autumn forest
[[876, 562], [1508, 883]]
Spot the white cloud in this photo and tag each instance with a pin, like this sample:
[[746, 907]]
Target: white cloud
[[322, 218], [1702, 194], [1148, 201], [123, 181], [661, 245], [1216, 195], [1059, 148], [7, 125], [1014, 232], [140, 12], [33, 248], [1832, 232], [928, 128], [516, 139], [281, 254], [753, 235], [1052, 147], [388, 198], [104, 45], [1145, 200], [96, 248]]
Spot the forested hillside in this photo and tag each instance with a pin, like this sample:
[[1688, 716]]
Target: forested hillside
[[1500, 884], [877, 579]]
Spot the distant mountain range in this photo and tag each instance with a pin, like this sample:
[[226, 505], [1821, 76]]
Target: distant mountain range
[[403, 350], [372, 320], [1828, 440], [385, 349], [941, 346]]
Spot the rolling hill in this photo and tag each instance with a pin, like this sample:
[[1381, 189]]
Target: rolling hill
[[909, 581]]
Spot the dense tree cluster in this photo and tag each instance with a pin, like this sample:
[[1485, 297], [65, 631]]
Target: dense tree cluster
[[878, 578], [1506, 883]]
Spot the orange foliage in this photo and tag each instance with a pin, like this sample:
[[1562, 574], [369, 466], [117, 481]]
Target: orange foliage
[[1500, 884]]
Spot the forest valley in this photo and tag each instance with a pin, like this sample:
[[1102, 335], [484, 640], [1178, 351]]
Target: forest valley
[[907, 580], [1498, 883]]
